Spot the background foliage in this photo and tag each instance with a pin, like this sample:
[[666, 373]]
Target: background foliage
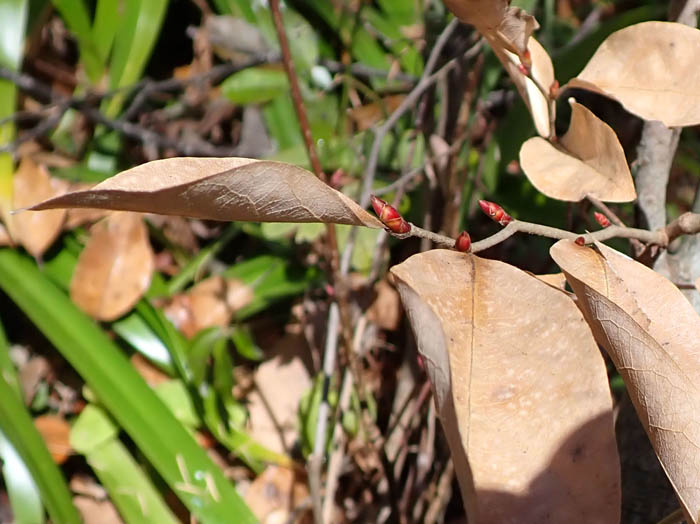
[[160, 408]]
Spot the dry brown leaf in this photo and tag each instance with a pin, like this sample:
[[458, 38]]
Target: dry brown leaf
[[5, 239], [80, 216], [280, 383], [97, 511], [149, 372], [557, 280], [520, 387], [385, 310], [652, 333], [55, 430], [221, 189], [542, 70], [509, 32], [36, 231], [30, 376], [275, 494], [651, 69], [509, 27], [114, 270], [588, 160], [369, 114], [212, 302]]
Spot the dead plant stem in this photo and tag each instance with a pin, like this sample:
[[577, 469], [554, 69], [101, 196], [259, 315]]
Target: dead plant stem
[[338, 316]]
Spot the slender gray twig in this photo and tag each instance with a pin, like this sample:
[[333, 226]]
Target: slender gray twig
[[686, 224]]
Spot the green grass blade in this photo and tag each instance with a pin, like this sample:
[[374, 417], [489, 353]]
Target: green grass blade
[[22, 491], [7, 368], [13, 17], [163, 440], [19, 429], [25, 499], [105, 26], [96, 437], [77, 18], [133, 45]]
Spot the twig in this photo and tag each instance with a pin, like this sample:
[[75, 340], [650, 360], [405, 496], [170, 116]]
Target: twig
[[367, 71], [655, 153], [405, 178], [296, 92], [443, 493], [146, 88], [686, 224], [84, 105], [330, 351], [674, 518], [407, 103], [338, 452], [338, 310], [610, 214]]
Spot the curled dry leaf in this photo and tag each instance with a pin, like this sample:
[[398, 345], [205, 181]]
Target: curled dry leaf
[[520, 387], [542, 70], [651, 69], [508, 31], [588, 160], [36, 231], [652, 333], [114, 270], [509, 27], [55, 431], [221, 189]]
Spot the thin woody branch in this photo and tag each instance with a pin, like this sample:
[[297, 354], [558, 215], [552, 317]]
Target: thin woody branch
[[686, 224]]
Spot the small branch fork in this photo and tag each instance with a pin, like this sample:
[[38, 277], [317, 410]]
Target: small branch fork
[[686, 224]]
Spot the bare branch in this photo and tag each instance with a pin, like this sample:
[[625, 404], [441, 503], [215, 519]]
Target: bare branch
[[686, 224]]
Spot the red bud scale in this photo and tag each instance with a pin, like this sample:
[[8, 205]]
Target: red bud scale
[[554, 90], [495, 212], [463, 242], [391, 218], [601, 219]]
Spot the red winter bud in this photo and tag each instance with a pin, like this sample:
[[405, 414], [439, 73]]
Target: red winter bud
[[580, 241], [524, 69], [463, 242], [389, 216], [554, 90], [495, 212], [526, 59], [601, 219]]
